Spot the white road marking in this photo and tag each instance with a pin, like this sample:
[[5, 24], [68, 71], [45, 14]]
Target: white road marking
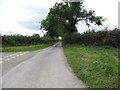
[[25, 52], [10, 57], [21, 54], [17, 55], [1, 62], [7, 59], [13, 57]]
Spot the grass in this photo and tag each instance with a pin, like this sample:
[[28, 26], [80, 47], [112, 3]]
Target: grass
[[24, 48], [96, 66]]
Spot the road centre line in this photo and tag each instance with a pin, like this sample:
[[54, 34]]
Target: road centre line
[[14, 56], [1, 62], [7, 59], [10, 55], [19, 53]]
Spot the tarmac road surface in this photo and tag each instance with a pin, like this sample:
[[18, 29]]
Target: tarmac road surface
[[46, 68]]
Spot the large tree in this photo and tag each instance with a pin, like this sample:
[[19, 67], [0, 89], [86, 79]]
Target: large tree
[[63, 18]]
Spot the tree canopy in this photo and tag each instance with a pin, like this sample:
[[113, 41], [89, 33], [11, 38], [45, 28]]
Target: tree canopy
[[63, 18]]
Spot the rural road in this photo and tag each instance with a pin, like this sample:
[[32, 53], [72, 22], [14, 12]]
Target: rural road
[[46, 68]]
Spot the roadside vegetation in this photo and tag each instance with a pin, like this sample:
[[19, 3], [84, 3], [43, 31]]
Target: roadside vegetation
[[15, 43], [63, 18], [19, 40], [96, 38], [96, 66], [93, 55], [24, 48]]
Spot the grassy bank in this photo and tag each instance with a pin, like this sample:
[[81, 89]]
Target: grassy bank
[[97, 67], [24, 48]]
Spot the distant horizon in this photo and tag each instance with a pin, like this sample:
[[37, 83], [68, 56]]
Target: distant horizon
[[44, 32]]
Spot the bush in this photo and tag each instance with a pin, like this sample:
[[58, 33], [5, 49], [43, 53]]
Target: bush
[[19, 40], [7, 41], [100, 38]]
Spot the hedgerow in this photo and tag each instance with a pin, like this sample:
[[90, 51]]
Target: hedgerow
[[99, 38]]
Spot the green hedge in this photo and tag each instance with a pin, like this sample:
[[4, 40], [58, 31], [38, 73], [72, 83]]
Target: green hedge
[[99, 38], [19, 40]]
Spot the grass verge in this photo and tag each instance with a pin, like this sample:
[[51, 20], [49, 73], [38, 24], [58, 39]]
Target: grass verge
[[96, 66], [24, 48]]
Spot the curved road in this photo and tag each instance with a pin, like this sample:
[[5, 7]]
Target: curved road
[[46, 68]]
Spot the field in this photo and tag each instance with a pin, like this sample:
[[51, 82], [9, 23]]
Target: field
[[96, 66], [24, 48]]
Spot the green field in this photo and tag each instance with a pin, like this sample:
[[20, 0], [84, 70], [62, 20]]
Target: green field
[[24, 48], [96, 66]]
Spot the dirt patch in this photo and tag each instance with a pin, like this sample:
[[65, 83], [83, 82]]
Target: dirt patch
[[83, 59], [116, 58], [87, 70], [96, 62], [103, 63], [105, 53], [87, 55], [99, 62]]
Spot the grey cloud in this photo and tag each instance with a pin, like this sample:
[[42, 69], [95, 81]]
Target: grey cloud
[[36, 9], [31, 25], [39, 12]]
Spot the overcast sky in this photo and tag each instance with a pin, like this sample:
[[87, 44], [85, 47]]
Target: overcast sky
[[23, 16]]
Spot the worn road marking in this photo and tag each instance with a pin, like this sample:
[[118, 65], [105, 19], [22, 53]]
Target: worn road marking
[[21, 54], [7, 59], [13, 57], [17, 55], [10, 55]]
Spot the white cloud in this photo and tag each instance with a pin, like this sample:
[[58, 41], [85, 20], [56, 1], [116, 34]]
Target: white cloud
[[22, 16], [14, 12], [106, 8]]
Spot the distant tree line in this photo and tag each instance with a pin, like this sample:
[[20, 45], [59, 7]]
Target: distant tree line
[[99, 38], [19, 40]]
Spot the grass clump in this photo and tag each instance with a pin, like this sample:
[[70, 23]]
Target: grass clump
[[96, 66], [23, 48]]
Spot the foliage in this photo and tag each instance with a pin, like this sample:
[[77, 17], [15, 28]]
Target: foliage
[[99, 38], [63, 18], [19, 40], [96, 66]]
